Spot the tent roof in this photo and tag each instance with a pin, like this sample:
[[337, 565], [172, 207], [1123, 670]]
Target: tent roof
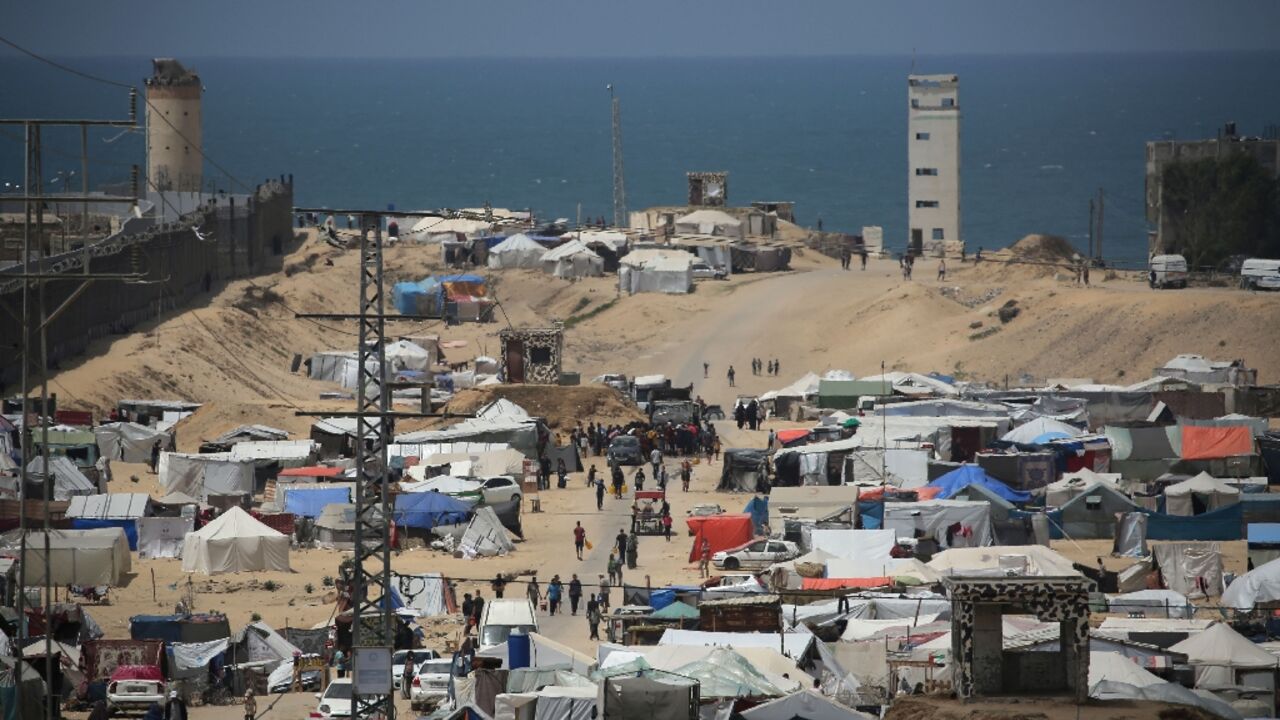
[[517, 243], [67, 478], [1041, 560], [1202, 483], [177, 498], [1118, 668], [1035, 431], [705, 216], [1220, 645], [568, 250], [235, 523], [115, 506], [805, 704], [1084, 477], [677, 611], [1261, 584], [965, 475]]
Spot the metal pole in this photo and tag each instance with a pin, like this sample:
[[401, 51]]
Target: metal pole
[[44, 439], [84, 191], [25, 439]]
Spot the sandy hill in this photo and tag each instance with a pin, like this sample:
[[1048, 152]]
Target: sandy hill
[[234, 350]]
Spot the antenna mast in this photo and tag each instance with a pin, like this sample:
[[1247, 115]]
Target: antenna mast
[[619, 182]]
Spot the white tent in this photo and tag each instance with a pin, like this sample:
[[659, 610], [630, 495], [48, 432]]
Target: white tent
[[235, 542], [485, 536], [650, 270], [805, 704], [1210, 491], [1259, 585], [162, 537], [404, 355], [931, 518], [517, 251], [573, 260], [205, 474], [431, 226], [867, 548], [1029, 432], [68, 481], [710, 222], [1077, 483], [1219, 652], [1118, 668], [129, 442], [76, 557], [1018, 560]]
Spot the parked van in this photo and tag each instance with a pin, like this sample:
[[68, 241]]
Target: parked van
[[502, 617], [1168, 271], [1259, 274]]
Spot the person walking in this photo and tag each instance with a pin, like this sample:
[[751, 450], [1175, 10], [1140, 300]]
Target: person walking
[[250, 704], [554, 590], [499, 585], [477, 611], [339, 665], [942, 270], [591, 474], [731, 374], [662, 478], [575, 594], [621, 543], [599, 494], [639, 480], [579, 538], [406, 676], [655, 458], [686, 474], [617, 482], [704, 559], [666, 525], [534, 593], [562, 474], [604, 594], [633, 551], [468, 607], [593, 618], [863, 257]]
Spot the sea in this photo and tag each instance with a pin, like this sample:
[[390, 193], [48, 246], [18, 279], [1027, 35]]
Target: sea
[[1040, 134]]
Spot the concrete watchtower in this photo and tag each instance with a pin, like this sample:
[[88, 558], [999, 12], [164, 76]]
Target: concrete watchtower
[[174, 161]]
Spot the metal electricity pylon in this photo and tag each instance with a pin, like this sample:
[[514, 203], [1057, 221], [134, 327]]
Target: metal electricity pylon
[[619, 179]]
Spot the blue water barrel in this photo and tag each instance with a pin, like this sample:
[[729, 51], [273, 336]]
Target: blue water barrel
[[517, 651]]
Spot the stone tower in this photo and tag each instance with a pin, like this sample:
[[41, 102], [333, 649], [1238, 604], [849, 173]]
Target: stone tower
[[174, 161]]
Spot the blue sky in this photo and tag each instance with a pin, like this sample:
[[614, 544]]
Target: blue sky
[[632, 28]]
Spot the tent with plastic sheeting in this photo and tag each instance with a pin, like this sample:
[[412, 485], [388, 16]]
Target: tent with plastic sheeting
[[427, 595], [21, 690], [235, 542], [938, 518], [311, 502], [573, 260], [427, 509], [162, 537], [744, 470], [1259, 585], [1164, 692], [1073, 484], [1221, 655], [559, 702], [1091, 513], [966, 475], [722, 532], [999, 560], [66, 479], [1040, 431], [205, 475], [708, 221], [664, 271], [517, 251], [805, 704], [336, 526], [644, 698], [1191, 568], [485, 536], [501, 421], [1202, 493], [726, 674], [76, 557], [1155, 603], [130, 442], [405, 355]]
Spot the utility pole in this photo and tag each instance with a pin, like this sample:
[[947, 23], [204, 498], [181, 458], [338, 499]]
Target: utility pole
[[619, 181], [1102, 205], [1091, 220]]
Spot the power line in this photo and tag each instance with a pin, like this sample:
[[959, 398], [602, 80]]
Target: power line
[[113, 83]]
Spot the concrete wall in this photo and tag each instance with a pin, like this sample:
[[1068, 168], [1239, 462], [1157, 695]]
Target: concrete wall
[[933, 162], [241, 238]]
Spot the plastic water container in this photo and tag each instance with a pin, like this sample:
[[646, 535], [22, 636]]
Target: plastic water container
[[517, 650]]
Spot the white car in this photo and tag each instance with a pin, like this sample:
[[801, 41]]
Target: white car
[[430, 685], [135, 688], [335, 702], [398, 658], [499, 490], [703, 271], [757, 554]]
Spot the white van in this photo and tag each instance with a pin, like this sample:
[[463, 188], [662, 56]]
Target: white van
[[1259, 274], [1167, 271], [502, 617]]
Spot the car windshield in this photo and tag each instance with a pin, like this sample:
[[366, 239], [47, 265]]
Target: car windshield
[[399, 657], [625, 440], [496, 634], [338, 691], [435, 667]]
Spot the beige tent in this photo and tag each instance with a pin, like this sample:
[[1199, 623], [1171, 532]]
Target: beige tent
[[76, 557], [1074, 484], [1212, 493], [235, 542], [1219, 654]]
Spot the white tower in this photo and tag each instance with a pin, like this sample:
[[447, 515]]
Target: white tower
[[933, 163], [174, 161]]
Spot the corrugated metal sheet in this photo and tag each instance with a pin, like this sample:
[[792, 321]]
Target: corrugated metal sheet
[[112, 506]]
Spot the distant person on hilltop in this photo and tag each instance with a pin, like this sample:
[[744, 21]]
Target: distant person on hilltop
[[706, 368], [731, 374]]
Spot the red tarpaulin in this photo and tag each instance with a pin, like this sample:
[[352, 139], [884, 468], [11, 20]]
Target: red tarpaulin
[[789, 436], [838, 583], [311, 471], [1211, 443], [722, 531]]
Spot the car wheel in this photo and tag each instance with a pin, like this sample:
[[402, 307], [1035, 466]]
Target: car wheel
[[515, 497], [731, 563]]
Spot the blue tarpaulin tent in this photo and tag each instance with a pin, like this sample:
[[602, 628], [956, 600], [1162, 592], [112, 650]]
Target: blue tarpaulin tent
[[1221, 524], [408, 297], [659, 599], [967, 475], [167, 628], [310, 502], [129, 526], [428, 509], [1264, 533], [871, 513]]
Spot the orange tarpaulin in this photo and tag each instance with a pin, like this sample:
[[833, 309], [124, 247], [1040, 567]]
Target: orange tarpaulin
[[877, 493], [1210, 443], [786, 436], [724, 532], [837, 583]]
